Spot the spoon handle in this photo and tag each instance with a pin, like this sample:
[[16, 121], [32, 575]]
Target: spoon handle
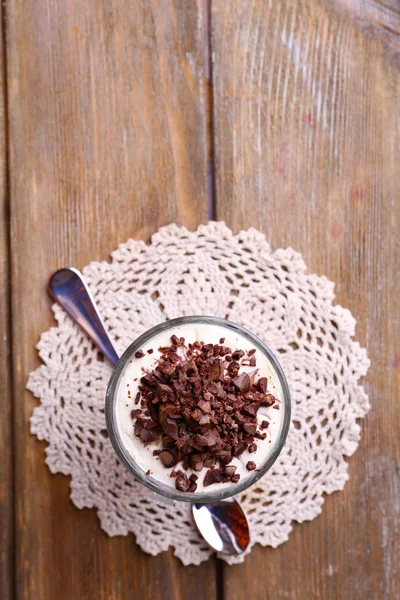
[[69, 289]]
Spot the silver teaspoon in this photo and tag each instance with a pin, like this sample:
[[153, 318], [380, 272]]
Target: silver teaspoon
[[224, 524]]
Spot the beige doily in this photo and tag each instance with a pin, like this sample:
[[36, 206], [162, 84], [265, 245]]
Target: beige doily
[[211, 272]]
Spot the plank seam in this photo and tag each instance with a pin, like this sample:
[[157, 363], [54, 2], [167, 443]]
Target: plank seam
[[7, 205], [209, 103]]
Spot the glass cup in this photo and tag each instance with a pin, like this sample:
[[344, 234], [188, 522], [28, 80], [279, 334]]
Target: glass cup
[[226, 490]]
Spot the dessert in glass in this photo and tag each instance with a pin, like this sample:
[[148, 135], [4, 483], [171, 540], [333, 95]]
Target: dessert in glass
[[198, 409]]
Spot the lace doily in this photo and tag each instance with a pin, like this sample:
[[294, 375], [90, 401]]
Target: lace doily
[[211, 272]]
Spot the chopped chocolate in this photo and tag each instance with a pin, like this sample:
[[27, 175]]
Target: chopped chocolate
[[135, 413], [205, 419], [262, 384], [242, 382], [253, 361], [230, 471], [237, 354], [170, 457], [239, 449], [233, 368], [139, 354], [251, 465], [150, 351], [149, 435], [148, 472], [235, 478], [215, 371], [222, 341], [214, 476], [268, 400], [182, 483], [196, 414], [252, 409], [205, 405], [168, 422], [251, 352], [192, 486], [167, 441], [224, 456], [209, 438], [250, 428], [264, 424], [252, 448], [197, 461], [152, 408]]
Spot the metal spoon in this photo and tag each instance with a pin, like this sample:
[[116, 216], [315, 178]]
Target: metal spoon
[[224, 524]]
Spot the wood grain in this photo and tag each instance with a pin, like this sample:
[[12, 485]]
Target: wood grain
[[6, 481], [378, 19], [307, 123], [107, 138]]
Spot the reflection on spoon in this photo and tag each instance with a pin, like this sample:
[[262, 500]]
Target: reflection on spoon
[[223, 525]]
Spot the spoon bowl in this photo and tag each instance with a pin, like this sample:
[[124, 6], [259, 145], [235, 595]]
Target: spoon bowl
[[223, 525]]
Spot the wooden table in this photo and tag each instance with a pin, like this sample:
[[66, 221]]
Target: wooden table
[[120, 116]]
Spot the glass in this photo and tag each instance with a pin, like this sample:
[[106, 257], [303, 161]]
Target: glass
[[126, 459]]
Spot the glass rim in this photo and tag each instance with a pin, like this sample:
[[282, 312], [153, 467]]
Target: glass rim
[[128, 461]]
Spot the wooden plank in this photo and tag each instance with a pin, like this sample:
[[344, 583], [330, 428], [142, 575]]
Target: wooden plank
[[107, 131], [6, 481], [307, 127]]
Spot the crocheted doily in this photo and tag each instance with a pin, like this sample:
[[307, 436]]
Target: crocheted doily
[[211, 272]]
